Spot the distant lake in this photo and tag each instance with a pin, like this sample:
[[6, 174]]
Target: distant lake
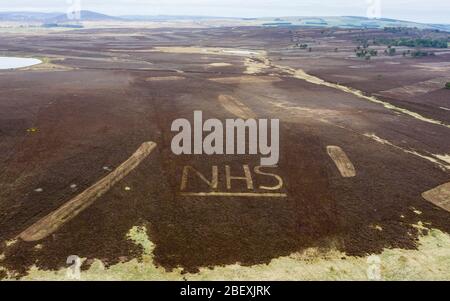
[[17, 62]]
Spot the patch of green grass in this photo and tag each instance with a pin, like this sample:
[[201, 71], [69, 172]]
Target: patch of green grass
[[431, 261]]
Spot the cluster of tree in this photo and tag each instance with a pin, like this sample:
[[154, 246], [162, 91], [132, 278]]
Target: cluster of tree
[[418, 53], [447, 85], [398, 29], [425, 43], [51, 25], [405, 29], [391, 51], [302, 46], [364, 52]]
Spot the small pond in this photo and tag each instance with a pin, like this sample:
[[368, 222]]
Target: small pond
[[17, 62]]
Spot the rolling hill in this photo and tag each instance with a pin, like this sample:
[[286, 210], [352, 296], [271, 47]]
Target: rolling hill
[[343, 22], [53, 17]]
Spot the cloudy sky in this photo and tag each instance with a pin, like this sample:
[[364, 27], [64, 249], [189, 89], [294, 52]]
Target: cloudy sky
[[431, 11]]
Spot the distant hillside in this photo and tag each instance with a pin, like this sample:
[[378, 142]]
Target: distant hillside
[[53, 17], [26, 16], [348, 22], [85, 15], [167, 18], [342, 22]]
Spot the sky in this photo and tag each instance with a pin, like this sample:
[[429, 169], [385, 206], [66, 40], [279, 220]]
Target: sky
[[429, 11]]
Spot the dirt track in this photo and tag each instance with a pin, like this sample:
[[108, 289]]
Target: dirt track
[[113, 94], [72, 208]]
